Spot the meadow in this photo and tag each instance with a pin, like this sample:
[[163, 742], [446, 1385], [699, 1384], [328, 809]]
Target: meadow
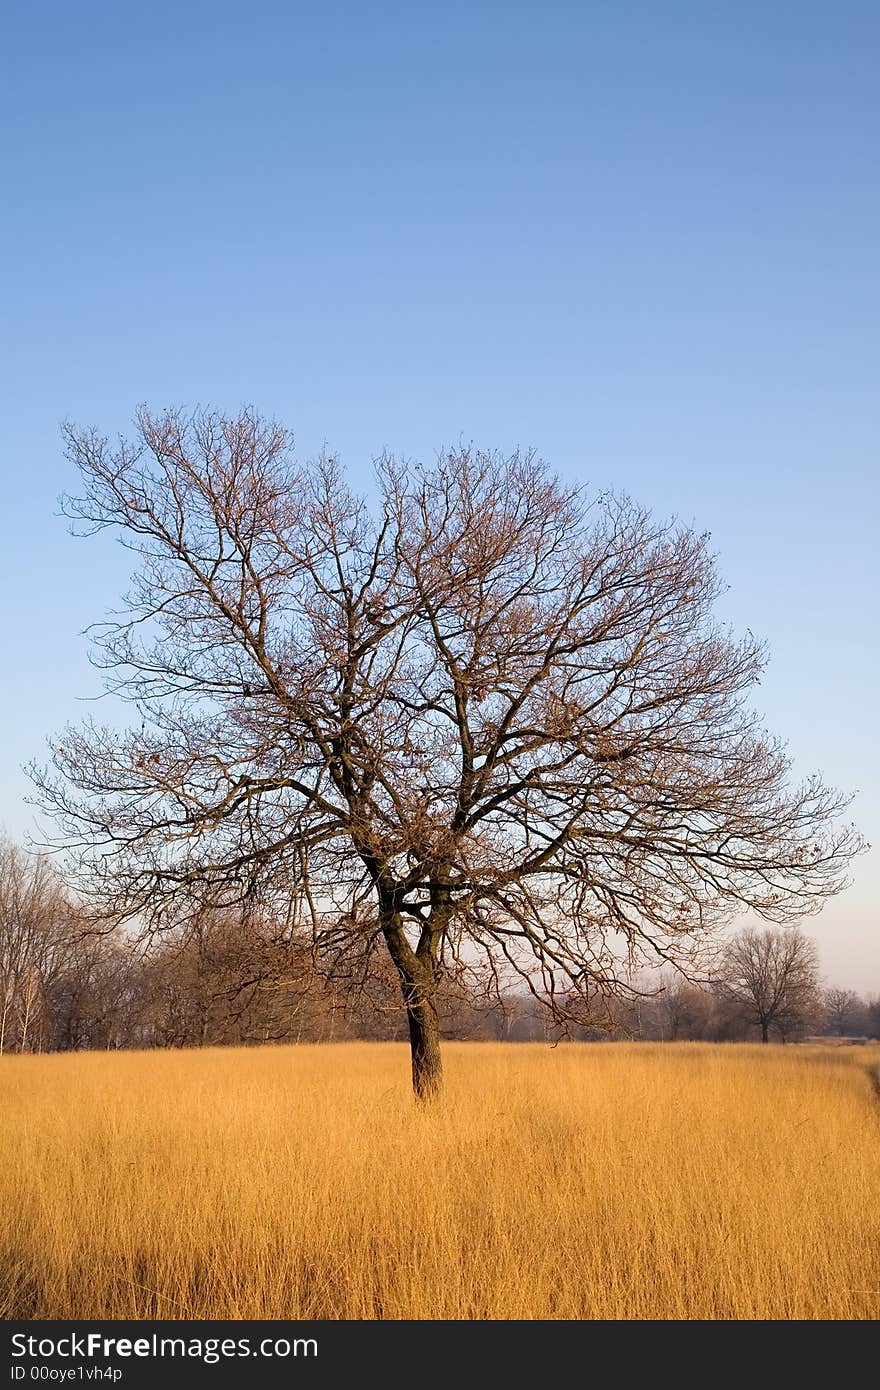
[[586, 1181]]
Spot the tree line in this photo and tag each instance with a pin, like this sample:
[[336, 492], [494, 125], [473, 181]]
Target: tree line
[[229, 980]]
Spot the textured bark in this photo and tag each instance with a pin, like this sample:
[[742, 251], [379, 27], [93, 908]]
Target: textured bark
[[424, 1038], [418, 982]]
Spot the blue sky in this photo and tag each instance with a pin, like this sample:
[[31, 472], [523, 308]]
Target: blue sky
[[640, 237]]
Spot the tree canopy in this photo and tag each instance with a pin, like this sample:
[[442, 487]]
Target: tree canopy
[[485, 718]]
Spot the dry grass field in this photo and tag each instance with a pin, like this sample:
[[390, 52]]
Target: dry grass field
[[626, 1181]]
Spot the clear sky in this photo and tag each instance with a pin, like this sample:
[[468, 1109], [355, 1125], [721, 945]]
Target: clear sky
[[642, 237]]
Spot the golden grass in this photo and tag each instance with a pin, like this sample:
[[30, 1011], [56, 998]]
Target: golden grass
[[625, 1181]]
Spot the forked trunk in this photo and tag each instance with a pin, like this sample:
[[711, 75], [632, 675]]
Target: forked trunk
[[424, 1039]]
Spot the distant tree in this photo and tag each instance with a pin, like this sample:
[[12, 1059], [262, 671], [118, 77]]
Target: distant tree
[[844, 1011], [872, 1016], [685, 1009], [35, 937], [495, 722], [94, 997], [224, 980], [727, 1022], [772, 976]]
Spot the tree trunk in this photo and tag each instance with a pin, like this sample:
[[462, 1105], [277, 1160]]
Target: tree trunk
[[424, 1038], [765, 1032], [418, 975]]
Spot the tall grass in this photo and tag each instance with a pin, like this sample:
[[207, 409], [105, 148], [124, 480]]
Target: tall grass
[[677, 1181]]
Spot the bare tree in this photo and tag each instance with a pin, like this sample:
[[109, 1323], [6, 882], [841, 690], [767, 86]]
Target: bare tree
[[685, 1009], [495, 726], [35, 940], [772, 975], [844, 1011], [222, 980], [95, 998]]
